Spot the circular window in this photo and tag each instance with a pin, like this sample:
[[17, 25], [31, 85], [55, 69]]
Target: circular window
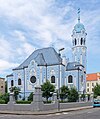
[[33, 79]]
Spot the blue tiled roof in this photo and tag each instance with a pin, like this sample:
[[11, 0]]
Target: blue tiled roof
[[72, 66], [42, 56], [78, 27], [10, 75]]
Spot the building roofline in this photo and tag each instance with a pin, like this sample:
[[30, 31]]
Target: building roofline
[[2, 78], [9, 75]]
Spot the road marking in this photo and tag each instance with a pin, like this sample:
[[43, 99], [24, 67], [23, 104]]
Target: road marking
[[65, 112], [50, 115], [57, 114]]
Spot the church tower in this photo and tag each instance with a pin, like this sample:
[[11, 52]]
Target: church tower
[[79, 43]]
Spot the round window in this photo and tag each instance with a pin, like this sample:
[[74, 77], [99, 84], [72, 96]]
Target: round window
[[33, 79]]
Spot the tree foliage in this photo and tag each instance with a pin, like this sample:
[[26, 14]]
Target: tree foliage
[[47, 89], [64, 91], [96, 90], [16, 91], [6, 87], [73, 95], [5, 97], [30, 97]]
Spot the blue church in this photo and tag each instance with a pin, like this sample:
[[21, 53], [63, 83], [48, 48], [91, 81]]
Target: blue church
[[47, 64]]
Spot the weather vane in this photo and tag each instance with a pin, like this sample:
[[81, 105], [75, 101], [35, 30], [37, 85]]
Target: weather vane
[[78, 15]]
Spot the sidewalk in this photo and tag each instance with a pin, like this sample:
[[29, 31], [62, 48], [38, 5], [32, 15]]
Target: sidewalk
[[43, 112]]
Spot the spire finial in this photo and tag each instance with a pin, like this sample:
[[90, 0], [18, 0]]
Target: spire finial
[[78, 15]]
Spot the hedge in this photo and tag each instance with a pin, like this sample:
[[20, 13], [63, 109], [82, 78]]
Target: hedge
[[2, 102], [23, 102]]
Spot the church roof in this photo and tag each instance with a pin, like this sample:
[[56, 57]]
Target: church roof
[[73, 66], [46, 56], [10, 75], [79, 27]]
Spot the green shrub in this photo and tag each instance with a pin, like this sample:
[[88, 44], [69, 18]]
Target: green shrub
[[5, 97], [46, 102], [23, 102], [2, 102], [30, 97], [63, 101]]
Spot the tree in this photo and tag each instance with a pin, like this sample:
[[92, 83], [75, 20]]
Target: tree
[[47, 88], [5, 97], [16, 91], [64, 91], [6, 88], [96, 90], [73, 95], [83, 97], [30, 97]]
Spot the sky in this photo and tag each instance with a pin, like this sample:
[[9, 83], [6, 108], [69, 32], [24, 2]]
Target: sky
[[27, 25]]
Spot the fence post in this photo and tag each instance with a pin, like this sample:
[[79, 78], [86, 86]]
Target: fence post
[[37, 99]]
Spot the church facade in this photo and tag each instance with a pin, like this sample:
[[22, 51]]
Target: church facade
[[47, 64]]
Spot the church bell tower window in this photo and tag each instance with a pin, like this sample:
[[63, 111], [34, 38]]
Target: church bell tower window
[[75, 41], [81, 41]]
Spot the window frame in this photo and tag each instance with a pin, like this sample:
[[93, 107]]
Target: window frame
[[52, 79], [70, 79]]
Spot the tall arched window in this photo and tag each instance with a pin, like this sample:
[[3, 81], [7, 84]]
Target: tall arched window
[[12, 83], [81, 41], [75, 41], [19, 81], [70, 79], [52, 79]]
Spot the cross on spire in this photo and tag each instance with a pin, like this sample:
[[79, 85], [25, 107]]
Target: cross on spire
[[78, 15]]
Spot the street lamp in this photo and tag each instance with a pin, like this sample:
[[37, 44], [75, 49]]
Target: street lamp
[[59, 79], [78, 68], [24, 79], [46, 71]]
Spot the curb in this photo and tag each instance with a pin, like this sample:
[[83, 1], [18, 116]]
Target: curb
[[44, 112]]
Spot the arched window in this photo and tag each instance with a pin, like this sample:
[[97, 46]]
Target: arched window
[[84, 41], [33, 79], [52, 79], [12, 83], [19, 81], [75, 41], [70, 79], [81, 41]]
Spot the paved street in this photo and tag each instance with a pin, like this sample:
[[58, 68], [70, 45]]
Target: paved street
[[82, 114]]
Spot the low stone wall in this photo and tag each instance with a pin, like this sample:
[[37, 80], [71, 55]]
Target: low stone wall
[[74, 104], [41, 106], [38, 105]]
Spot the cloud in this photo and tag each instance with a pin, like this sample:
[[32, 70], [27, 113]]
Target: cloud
[[31, 24], [7, 65]]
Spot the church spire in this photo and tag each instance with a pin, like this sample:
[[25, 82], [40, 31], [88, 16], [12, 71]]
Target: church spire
[[78, 15]]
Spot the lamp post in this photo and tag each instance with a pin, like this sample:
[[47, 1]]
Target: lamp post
[[24, 80], [78, 78], [79, 69], [46, 71], [59, 79]]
